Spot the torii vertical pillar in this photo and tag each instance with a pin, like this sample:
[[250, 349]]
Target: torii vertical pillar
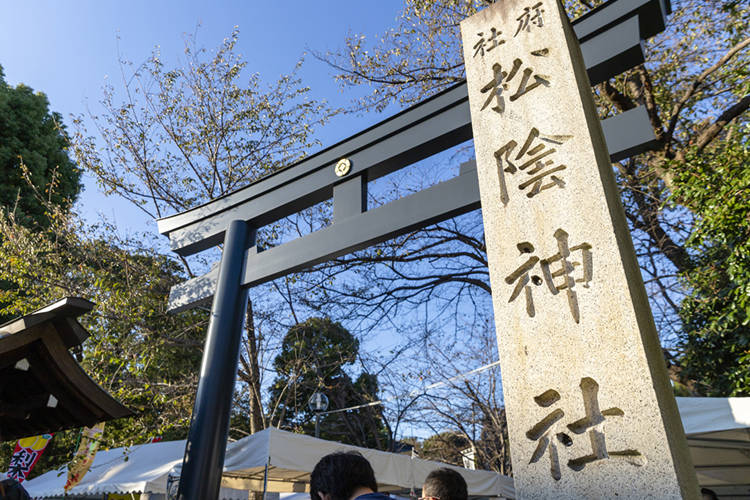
[[200, 478]]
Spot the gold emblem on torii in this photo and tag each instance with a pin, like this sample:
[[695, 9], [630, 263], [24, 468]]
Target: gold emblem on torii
[[342, 167]]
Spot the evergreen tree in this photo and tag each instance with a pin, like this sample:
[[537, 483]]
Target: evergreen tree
[[33, 149], [313, 358], [716, 336]]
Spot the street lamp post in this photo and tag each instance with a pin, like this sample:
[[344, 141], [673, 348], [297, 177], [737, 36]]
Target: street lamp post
[[318, 404]]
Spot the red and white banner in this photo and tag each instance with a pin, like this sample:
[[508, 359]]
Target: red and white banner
[[27, 453]]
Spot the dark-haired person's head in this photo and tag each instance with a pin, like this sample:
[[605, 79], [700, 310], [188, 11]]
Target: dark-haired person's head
[[445, 484], [340, 475], [707, 494]]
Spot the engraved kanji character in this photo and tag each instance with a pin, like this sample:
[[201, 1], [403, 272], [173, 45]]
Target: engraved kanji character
[[500, 83], [545, 432], [566, 270], [538, 172], [522, 276], [531, 15], [593, 423], [482, 45], [497, 87]]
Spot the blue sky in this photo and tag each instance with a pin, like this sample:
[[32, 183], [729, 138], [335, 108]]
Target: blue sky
[[68, 49]]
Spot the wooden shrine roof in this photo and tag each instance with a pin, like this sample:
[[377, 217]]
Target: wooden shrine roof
[[43, 389]]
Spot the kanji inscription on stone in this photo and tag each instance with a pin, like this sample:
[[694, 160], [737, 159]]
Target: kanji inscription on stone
[[554, 436], [539, 166], [498, 86], [561, 279], [591, 412], [532, 16], [488, 41]]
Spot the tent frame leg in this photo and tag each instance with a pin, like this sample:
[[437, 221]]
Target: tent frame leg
[[265, 480]]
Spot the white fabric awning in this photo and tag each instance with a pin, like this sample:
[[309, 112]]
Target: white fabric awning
[[718, 432], [136, 469], [291, 458]]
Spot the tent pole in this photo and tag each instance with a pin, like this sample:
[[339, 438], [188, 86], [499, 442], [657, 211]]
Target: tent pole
[[265, 480]]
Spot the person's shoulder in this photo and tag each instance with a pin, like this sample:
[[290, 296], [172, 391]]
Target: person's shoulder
[[373, 496], [14, 490]]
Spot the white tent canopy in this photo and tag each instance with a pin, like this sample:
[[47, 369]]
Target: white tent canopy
[[290, 458], [121, 470], [718, 432]]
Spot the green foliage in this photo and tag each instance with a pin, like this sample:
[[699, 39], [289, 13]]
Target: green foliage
[[170, 140], [59, 451], [32, 135], [716, 314], [145, 357], [312, 359], [182, 137]]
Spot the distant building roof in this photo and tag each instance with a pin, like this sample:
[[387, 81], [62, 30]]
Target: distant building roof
[[43, 389]]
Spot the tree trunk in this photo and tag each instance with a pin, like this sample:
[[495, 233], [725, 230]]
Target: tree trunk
[[257, 423], [250, 372]]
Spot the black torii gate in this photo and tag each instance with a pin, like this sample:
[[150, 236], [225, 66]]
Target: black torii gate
[[611, 38]]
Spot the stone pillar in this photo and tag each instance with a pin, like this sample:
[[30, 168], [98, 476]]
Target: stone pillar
[[590, 407]]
